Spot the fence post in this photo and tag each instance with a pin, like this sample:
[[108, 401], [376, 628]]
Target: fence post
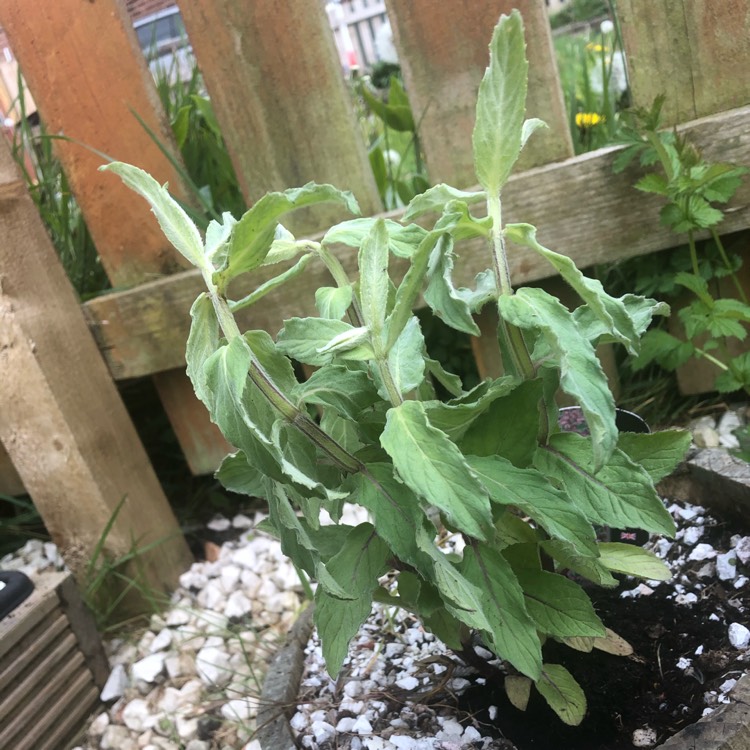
[[61, 417], [88, 78], [278, 92], [694, 52], [443, 48], [443, 53]]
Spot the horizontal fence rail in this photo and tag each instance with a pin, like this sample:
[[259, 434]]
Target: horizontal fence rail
[[274, 76]]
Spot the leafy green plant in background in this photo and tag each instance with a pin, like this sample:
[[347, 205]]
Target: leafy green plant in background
[[692, 187], [489, 464], [393, 141], [594, 83]]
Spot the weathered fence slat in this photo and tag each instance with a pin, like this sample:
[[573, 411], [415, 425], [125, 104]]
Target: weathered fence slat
[[695, 52], [62, 420], [90, 52], [275, 82], [443, 52], [581, 209]]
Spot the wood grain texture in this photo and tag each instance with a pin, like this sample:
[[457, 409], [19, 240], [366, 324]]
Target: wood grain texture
[[580, 207], [695, 52], [443, 48], [61, 418], [278, 92], [91, 53]]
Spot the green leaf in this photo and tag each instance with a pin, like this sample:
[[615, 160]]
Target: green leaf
[[354, 338], [447, 302], [530, 127], [217, 236], [433, 467], [405, 360], [658, 452], [633, 561], [304, 338], [434, 200], [452, 383], [533, 495], [653, 183], [612, 312], [237, 475], [662, 347], [567, 557], [174, 222], [558, 606], [518, 690], [641, 311], [357, 567], [203, 341], [402, 240], [349, 392], [508, 427], [373, 279], [255, 232], [501, 105], [581, 373], [342, 430], [511, 631], [621, 494], [275, 364], [272, 284], [395, 116], [563, 694], [395, 510], [333, 301]]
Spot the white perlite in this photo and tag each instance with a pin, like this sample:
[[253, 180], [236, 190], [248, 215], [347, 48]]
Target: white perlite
[[739, 635]]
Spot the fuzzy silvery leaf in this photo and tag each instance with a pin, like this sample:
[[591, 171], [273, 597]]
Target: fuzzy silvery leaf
[[217, 237], [447, 302], [203, 341], [452, 383], [581, 373], [303, 338], [433, 467], [558, 606], [346, 340], [621, 494], [633, 561], [402, 240], [563, 694], [437, 196], [530, 127], [348, 392], [177, 226], [512, 632], [461, 224], [374, 280], [333, 301], [344, 431], [612, 312], [256, 231], [641, 311], [271, 285], [405, 360], [237, 475], [531, 492], [501, 105], [360, 561]]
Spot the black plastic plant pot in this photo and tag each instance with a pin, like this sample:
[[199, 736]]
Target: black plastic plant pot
[[571, 419], [18, 586]]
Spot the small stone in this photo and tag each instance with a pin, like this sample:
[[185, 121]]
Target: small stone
[[241, 521], [741, 582], [162, 641], [739, 635], [408, 683], [644, 737], [219, 523], [238, 605], [241, 709], [99, 724], [187, 728], [727, 685], [149, 668], [705, 437], [686, 599], [137, 715], [116, 684], [117, 737], [252, 745], [346, 724], [402, 742], [362, 726], [198, 745], [322, 731], [702, 552], [492, 712], [729, 422], [179, 665], [212, 665], [742, 548], [726, 566], [471, 734], [692, 535], [707, 571], [683, 663]]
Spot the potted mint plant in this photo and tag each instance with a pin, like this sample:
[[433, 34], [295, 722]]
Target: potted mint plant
[[488, 463]]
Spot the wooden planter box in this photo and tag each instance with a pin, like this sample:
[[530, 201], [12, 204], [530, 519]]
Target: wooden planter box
[[52, 667]]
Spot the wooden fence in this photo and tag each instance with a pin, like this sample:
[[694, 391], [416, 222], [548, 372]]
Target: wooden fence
[[274, 77]]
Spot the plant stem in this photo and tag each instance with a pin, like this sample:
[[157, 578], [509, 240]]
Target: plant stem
[[693, 253], [337, 271], [727, 264], [513, 338]]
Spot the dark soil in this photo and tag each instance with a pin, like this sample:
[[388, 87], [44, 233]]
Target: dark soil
[[646, 689]]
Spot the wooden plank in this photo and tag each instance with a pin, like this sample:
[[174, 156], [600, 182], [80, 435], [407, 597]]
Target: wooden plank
[[695, 52], [580, 207], [92, 55], [443, 52], [276, 86], [61, 418], [10, 482], [34, 643]]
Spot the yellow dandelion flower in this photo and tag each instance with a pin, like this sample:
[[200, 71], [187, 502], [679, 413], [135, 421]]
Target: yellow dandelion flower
[[588, 119], [593, 47]]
